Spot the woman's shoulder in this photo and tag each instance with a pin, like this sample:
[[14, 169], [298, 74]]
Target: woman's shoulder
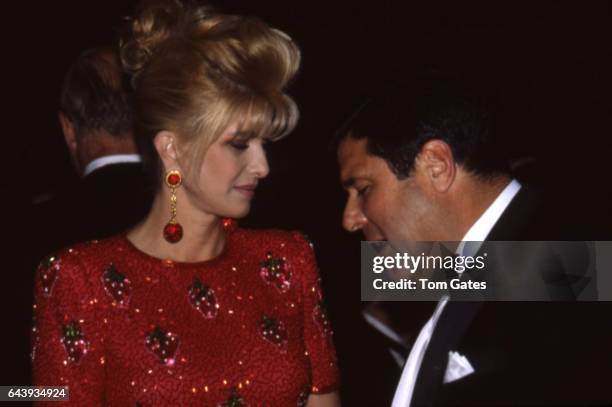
[[275, 238], [94, 248], [80, 257], [292, 248], [283, 258]]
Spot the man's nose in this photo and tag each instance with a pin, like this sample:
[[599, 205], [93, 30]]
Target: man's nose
[[353, 218]]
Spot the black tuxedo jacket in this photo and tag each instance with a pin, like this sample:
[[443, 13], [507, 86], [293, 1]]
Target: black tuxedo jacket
[[107, 201], [523, 353]]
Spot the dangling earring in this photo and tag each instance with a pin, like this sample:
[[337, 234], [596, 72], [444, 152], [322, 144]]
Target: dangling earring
[[173, 231]]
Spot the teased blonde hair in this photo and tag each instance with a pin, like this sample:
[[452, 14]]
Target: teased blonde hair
[[195, 72]]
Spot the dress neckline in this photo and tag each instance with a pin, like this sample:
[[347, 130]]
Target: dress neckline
[[229, 227]]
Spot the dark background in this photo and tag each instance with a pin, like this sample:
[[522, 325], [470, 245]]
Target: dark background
[[550, 63]]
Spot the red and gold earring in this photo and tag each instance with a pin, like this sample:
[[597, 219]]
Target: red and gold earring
[[173, 231]]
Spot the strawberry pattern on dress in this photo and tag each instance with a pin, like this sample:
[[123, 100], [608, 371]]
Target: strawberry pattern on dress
[[121, 327]]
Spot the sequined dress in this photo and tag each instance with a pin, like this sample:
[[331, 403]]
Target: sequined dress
[[122, 328]]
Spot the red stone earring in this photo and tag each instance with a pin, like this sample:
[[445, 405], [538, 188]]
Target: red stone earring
[[173, 231]]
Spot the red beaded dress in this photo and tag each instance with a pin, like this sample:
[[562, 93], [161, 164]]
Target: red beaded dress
[[122, 328]]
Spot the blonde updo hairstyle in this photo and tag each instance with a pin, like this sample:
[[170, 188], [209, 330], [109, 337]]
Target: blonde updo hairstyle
[[195, 72]]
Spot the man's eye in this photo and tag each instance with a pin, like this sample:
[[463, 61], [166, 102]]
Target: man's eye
[[240, 146]]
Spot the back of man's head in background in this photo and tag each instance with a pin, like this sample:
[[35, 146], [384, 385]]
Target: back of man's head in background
[[93, 94]]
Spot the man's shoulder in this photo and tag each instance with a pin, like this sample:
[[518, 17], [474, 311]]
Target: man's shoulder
[[116, 175], [105, 203], [531, 215]]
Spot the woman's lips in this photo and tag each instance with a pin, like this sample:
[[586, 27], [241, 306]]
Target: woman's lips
[[248, 190]]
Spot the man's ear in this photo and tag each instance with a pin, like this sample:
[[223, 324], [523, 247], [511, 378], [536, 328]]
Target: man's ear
[[69, 130], [165, 144], [437, 163]]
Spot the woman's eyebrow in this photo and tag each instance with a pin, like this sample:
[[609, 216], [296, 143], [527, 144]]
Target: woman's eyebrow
[[244, 134]]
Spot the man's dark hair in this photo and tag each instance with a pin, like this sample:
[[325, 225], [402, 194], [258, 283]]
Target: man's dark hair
[[94, 96], [400, 120]]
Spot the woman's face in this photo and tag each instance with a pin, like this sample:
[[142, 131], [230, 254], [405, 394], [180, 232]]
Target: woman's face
[[228, 174]]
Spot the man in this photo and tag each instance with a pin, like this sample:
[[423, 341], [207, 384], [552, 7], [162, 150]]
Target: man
[[420, 163], [96, 119]]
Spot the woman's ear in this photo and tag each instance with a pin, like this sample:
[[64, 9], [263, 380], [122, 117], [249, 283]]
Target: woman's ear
[[165, 144]]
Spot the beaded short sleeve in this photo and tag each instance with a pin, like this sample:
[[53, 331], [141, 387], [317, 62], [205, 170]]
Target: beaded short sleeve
[[247, 328]]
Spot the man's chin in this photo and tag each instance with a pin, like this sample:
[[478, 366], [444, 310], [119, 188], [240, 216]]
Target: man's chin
[[374, 237]]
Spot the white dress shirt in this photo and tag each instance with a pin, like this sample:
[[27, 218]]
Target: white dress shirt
[[477, 233], [110, 159]]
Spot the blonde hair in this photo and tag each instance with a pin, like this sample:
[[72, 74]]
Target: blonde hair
[[196, 71]]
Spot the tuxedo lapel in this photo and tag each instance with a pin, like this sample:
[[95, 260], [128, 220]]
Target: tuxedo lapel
[[454, 321]]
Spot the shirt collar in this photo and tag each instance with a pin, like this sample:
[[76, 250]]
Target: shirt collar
[[110, 159], [481, 228]]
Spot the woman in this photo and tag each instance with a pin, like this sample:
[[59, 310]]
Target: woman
[[187, 308]]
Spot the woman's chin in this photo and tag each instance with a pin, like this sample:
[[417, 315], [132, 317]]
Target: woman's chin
[[238, 213]]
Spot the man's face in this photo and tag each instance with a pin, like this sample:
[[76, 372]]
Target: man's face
[[379, 204]]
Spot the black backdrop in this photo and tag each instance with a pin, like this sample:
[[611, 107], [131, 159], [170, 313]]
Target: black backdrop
[[551, 63]]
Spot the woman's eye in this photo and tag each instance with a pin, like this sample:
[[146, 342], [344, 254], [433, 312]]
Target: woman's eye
[[240, 146], [362, 191]]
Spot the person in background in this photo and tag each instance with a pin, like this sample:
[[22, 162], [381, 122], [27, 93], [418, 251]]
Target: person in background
[[96, 118]]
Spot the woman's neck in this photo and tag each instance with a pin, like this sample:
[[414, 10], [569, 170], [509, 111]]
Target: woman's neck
[[203, 234]]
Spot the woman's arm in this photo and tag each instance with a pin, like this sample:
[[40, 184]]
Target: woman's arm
[[318, 337]]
